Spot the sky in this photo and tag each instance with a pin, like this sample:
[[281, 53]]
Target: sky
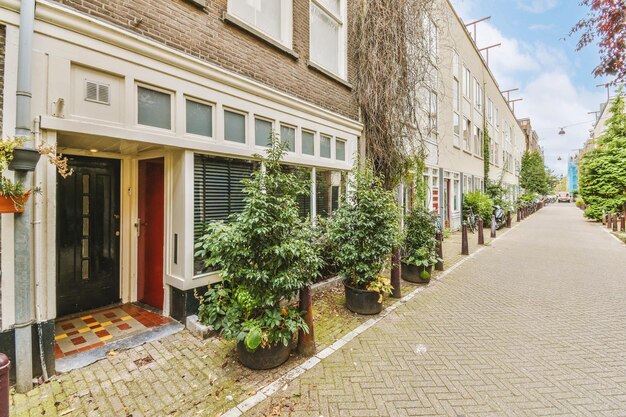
[[537, 56]]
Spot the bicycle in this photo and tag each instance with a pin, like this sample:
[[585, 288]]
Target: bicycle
[[472, 220]]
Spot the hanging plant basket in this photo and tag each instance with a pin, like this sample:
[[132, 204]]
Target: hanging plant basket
[[24, 159], [13, 204]]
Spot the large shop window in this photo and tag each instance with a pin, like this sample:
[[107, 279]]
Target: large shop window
[[327, 35], [218, 193]]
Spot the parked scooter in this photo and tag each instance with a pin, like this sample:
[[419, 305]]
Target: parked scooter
[[500, 216]]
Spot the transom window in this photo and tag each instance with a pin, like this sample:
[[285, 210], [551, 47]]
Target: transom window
[[288, 135], [272, 17], [328, 35], [154, 108]]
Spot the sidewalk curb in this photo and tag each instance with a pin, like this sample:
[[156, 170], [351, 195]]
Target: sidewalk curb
[[310, 363]]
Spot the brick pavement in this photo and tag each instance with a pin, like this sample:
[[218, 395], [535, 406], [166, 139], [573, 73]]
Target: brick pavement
[[181, 375], [533, 325]]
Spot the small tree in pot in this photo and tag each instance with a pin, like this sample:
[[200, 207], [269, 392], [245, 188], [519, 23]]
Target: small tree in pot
[[420, 245], [265, 255], [363, 232]]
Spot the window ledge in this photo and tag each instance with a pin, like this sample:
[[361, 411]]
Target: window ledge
[[329, 74], [235, 21], [201, 4]]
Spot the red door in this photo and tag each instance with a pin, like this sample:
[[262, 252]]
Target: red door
[[150, 230]]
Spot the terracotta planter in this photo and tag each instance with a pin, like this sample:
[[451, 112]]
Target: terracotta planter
[[412, 273], [13, 205], [362, 301], [263, 358]]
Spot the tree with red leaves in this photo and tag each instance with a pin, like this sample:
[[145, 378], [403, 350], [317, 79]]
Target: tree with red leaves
[[606, 22]]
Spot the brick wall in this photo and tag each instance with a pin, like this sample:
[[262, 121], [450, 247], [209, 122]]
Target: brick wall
[[203, 34]]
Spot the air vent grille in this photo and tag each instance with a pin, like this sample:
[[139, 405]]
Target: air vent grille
[[97, 92]]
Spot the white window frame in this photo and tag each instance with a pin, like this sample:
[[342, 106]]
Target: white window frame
[[286, 22], [467, 79], [341, 20], [246, 131], [213, 116], [172, 95], [264, 119], [315, 140]]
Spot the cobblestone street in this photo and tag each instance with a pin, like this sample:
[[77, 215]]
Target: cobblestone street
[[535, 324]]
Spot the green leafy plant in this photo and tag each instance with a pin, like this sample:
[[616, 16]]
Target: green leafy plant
[[602, 179], [265, 256], [480, 203], [420, 245], [533, 177], [364, 230]]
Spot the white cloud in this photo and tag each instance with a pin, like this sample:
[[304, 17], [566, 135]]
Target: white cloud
[[536, 6], [540, 27]]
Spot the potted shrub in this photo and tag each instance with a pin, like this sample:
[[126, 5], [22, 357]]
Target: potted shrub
[[420, 246], [265, 256], [14, 195], [363, 232]]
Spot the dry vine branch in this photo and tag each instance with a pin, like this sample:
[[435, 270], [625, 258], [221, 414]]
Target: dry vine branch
[[396, 64]]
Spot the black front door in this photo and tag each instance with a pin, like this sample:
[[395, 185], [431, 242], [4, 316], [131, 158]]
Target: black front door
[[88, 224]]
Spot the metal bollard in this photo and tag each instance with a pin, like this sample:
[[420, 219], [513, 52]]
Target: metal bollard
[[481, 232], [623, 223], [508, 220], [493, 226], [395, 273], [608, 220], [615, 219], [306, 341], [439, 238], [464, 244], [603, 217], [5, 367]]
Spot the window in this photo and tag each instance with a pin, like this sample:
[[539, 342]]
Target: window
[[455, 65], [234, 127], [496, 121], [199, 118], [324, 146], [262, 132], [489, 111], [327, 35], [457, 129], [467, 88], [432, 113], [478, 141], [431, 38], [154, 108], [308, 143], [455, 94], [218, 193], [288, 135], [478, 95], [496, 153], [272, 17], [467, 131], [455, 192], [340, 150]]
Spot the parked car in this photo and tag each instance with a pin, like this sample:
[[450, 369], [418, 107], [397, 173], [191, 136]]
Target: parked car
[[563, 197]]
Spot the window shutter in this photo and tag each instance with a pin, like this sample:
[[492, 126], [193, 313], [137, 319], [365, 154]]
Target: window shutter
[[218, 192]]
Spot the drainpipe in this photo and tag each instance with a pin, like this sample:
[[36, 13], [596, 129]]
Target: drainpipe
[[22, 222]]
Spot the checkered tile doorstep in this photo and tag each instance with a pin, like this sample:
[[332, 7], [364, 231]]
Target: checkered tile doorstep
[[96, 329]]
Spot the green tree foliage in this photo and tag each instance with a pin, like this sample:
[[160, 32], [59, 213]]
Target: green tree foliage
[[480, 203], [602, 179], [552, 181], [364, 229], [420, 245], [265, 255], [486, 152], [533, 173]]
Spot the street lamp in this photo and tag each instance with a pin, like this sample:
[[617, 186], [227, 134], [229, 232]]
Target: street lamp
[[561, 132]]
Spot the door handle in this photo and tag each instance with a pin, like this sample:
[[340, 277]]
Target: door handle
[[138, 226]]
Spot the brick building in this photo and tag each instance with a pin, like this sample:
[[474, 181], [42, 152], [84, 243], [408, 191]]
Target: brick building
[[160, 106]]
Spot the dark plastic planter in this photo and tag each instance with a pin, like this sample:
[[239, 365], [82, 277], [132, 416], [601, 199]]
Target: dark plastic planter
[[263, 358], [24, 159], [362, 301], [412, 273]]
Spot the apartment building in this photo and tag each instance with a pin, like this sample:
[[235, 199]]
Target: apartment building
[[532, 138], [161, 107], [467, 106]]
